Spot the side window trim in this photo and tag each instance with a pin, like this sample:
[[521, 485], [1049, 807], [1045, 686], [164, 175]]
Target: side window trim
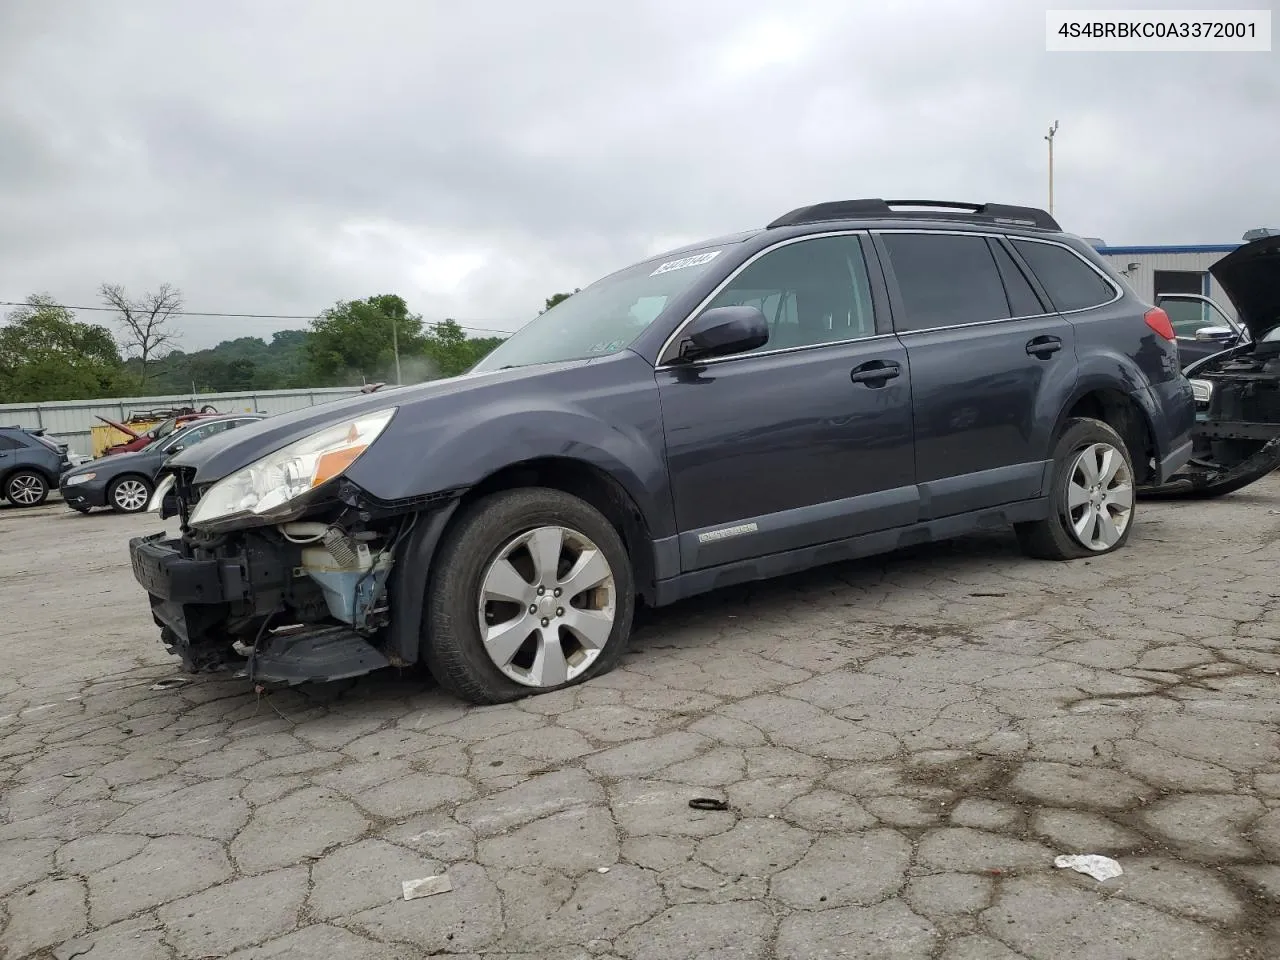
[[667, 352]]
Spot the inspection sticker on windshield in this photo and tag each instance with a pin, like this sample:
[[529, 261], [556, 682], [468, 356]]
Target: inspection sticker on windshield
[[697, 260]]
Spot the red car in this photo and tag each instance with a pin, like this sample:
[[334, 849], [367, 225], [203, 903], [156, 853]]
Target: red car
[[161, 430]]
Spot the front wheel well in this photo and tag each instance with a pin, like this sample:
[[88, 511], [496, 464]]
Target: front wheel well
[[1124, 416], [592, 485]]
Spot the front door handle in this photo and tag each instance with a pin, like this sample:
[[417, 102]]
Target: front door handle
[[876, 373], [1043, 347]]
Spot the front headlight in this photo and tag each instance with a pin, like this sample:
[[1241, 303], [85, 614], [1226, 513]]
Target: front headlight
[[1202, 390], [80, 478], [279, 478]]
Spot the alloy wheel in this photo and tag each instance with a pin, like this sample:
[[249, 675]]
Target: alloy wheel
[[26, 489], [130, 495], [547, 606], [1099, 496]]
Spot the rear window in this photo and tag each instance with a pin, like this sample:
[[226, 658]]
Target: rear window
[[944, 280], [1070, 282]]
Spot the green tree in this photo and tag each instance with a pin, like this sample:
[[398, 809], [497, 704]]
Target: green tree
[[556, 298], [46, 354], [357, 338], [450, 351]]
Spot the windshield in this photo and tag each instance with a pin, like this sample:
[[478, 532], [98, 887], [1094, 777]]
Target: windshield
[[603, 318]]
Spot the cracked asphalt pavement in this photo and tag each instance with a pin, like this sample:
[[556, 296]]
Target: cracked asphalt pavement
[[904, 744]]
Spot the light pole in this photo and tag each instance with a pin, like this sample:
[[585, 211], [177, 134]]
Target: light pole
[[1052, 130], [395, 348]]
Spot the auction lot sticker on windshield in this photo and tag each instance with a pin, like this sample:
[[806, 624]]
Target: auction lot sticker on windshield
[[697, 260]]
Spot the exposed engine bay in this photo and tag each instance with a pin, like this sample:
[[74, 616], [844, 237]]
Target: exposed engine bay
[[267, 600], [1237, 432]]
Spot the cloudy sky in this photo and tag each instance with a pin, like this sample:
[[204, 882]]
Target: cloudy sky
[[273, 157]]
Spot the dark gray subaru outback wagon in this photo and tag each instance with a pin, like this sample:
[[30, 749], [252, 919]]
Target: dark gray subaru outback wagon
[[855, 377]]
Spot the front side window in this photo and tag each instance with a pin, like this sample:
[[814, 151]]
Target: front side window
[[603, 318], [1070, 282], [810, 292], [945, 280]]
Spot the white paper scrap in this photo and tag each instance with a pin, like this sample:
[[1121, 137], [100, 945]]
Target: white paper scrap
[[1099, 867], [426, 887]]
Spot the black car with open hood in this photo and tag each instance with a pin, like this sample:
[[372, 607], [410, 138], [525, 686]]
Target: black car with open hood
[[1237, 432]]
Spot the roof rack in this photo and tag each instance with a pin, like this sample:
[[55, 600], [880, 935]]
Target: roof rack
[[924, 209]]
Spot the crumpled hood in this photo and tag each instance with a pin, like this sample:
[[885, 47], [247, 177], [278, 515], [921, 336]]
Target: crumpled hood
[[1250, 276], [231, 450]]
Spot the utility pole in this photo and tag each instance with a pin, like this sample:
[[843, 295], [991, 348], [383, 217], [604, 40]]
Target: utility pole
[[395, 348], [1052, 130]]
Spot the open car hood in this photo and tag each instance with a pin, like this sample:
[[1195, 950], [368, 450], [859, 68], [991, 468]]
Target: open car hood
[[1250, 275], [133, 434]]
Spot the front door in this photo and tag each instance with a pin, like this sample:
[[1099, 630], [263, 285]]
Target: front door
[[984, 350], [802, 441], [1190, 313]]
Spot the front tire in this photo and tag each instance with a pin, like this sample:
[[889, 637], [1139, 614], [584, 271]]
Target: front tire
[[129, 494], [1091, 496], [533, 591], [26, 488]]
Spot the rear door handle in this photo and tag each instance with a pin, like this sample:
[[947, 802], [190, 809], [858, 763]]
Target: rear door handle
[[1043, 347], [876, 373]]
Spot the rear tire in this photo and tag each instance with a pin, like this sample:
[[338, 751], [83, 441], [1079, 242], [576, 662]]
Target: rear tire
[[129, 494], [26, 488], [1091, 496], [548, 576]]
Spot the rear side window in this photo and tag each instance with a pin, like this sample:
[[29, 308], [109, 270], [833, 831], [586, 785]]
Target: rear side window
[[8, 443], [944, 280], [1023, 300], [1070, 282]]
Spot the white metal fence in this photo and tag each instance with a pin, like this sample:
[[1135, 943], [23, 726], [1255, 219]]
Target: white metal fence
[[74, 420]]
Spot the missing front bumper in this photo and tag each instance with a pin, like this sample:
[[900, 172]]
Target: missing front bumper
[[204, 605]]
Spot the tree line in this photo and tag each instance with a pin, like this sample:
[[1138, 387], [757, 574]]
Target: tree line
[[48, 353]]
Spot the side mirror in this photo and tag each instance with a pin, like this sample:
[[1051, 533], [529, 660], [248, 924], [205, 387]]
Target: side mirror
[[1217, 334], [721, 331]]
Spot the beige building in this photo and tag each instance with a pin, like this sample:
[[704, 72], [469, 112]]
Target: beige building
[[1153, 271]]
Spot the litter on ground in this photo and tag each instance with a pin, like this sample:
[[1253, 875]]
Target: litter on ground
[[1099, 867], [426, 887]]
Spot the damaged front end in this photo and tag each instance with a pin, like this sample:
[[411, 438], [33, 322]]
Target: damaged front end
[[286, 570], [286, 603], [1237, 391], [1237, 432]]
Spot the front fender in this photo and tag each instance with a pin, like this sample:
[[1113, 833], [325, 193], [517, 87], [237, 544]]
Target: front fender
[[605, 415]]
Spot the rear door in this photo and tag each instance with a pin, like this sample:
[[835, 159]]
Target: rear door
[[805, 440], [987, 356]]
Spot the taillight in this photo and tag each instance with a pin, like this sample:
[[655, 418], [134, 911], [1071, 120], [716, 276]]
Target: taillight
[[1158, 321]]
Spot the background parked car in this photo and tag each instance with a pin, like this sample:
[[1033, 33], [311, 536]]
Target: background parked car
[[168, 425], [30, 464], [125, 481]]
